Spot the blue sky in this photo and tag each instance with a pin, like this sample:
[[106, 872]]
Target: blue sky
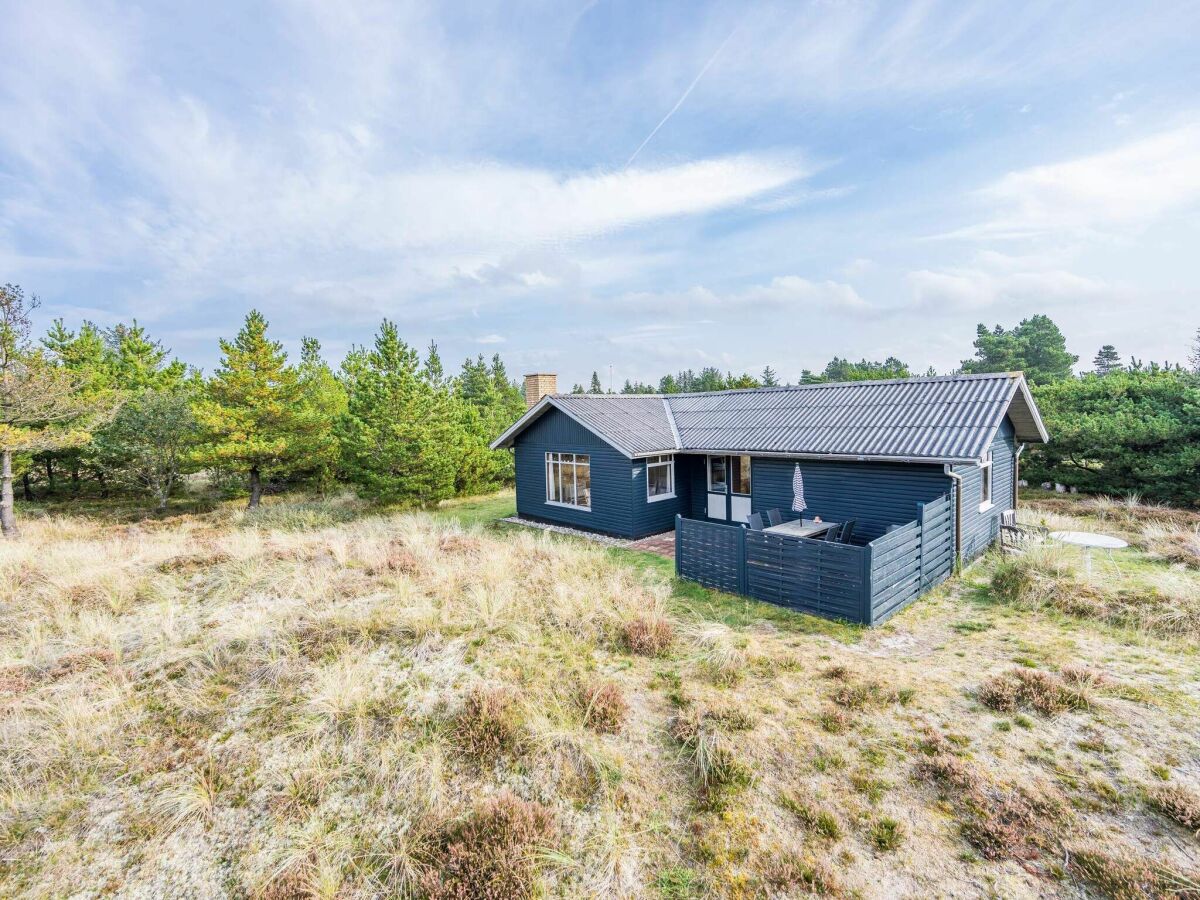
[[579, 185]]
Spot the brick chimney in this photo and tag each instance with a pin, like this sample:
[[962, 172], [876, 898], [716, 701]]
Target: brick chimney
[[538, 385]]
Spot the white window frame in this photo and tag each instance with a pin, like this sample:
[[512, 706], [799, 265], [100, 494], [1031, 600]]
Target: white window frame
[[749, 475], [713, 489], [573, 459], [667, 460], [986, 487]]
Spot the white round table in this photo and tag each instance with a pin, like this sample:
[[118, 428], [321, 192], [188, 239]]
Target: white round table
[[1089, 540]]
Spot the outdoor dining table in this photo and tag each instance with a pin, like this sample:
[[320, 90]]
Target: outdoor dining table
[[1087, 540], [805, 528]]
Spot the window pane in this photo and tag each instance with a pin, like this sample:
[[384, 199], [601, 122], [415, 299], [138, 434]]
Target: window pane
[[658, 479], [583, 481], [567, 482], [716, 473], [741, 475], [552, 492]]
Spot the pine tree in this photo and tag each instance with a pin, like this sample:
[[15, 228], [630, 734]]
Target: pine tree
[[1107, 360], [254, 413], [596, 387], [1194, 354], [399, 436], [325, 398], [434, 372], [43, 406], [769, 378]]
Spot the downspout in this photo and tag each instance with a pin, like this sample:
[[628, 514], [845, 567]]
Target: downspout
[[957, 479], [1017, 472]]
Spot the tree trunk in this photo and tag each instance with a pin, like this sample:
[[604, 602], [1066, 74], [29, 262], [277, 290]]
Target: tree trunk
[[103, 485], [49, 474], [255, 488], [27, 487], [75, 479], [8, 516]]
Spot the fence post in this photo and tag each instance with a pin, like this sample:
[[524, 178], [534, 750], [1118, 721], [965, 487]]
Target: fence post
[[743, 579], [868, 588], [678, 542], [921, 549]]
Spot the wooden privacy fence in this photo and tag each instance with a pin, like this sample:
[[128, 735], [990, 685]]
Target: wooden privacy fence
[[860, 583]]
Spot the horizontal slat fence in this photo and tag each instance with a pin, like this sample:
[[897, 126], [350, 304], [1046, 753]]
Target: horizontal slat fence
[[865, 584], [816, 577], [911, 559], [714, 555]]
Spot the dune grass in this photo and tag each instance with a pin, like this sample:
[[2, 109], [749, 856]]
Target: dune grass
[[323, 699]]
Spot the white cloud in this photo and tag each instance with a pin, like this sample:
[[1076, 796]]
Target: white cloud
[[491, 339], [1121, 189], [955, 290], [782, 292]]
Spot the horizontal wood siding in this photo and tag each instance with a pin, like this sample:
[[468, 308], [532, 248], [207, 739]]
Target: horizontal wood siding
[[555, 432], [815, 577], [982, 529], [711, 554], [659, 516], [875, 494]]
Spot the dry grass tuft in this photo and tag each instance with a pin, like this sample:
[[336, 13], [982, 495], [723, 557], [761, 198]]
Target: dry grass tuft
[[648, 635], [1177, 803], [604, 706], [1175, 545], [492, 853], [1049, 578], [717, 769]]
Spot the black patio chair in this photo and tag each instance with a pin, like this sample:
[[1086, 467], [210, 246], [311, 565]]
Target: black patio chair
[[831, 535], [755, 522], [774, 517], [846, 530]]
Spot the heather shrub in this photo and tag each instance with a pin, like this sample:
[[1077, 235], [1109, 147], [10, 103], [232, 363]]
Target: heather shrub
[[604, 706], [1177, 803], [648, 635], [488, 724], [491, 854]]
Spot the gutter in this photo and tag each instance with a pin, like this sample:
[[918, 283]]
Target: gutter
[[835, 457], [957, 479], [1017, 472]]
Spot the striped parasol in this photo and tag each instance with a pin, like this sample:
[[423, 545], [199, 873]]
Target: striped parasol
[[798, 504]]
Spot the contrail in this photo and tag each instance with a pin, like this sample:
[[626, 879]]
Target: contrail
[[678, 103]]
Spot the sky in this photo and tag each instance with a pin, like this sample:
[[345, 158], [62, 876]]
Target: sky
[[584, 185]]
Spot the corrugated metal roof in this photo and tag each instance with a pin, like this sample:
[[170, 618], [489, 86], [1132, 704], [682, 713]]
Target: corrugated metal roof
[[941, 419], [637, 423]]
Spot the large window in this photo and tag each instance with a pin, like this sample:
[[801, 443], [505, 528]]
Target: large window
[[741, 474], [660, 478], [718, 479], [569, 479], [985, 484]]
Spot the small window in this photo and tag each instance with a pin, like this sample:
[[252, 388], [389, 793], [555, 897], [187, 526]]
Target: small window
[[569, 480], [660, 478], [741, 474], [718, 479], [985, 483]]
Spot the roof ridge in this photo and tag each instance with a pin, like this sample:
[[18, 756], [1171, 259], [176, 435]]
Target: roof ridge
[[916, 379]]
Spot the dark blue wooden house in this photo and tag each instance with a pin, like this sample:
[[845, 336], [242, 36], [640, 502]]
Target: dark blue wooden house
[[875, 452]]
